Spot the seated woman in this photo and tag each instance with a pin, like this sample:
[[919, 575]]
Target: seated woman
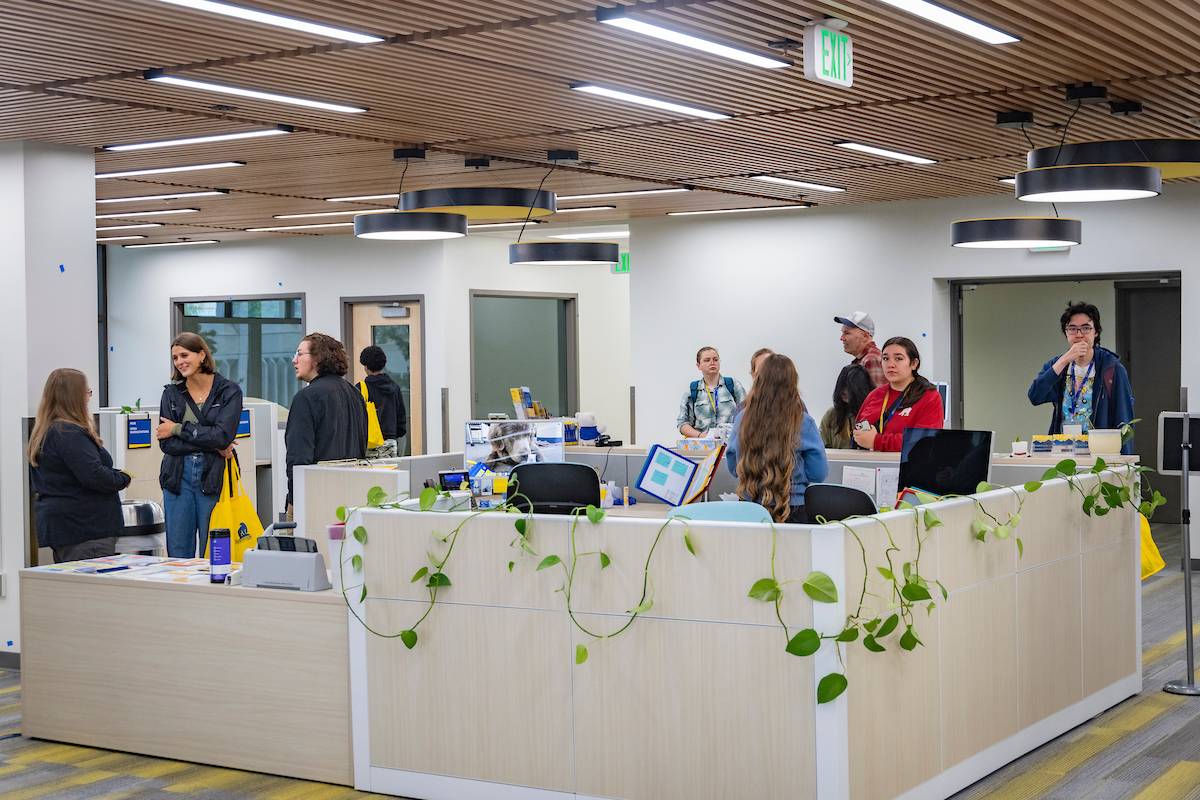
[[775, 450], [907, 400]]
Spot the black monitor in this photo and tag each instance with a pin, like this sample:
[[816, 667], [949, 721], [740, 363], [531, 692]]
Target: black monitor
[[553, 488], [944, 460], [1170, 439]]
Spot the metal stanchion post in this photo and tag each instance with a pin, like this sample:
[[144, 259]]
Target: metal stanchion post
[[1188, 684]]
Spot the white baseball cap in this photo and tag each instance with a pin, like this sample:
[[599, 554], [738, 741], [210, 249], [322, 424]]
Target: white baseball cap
[[858, 319]]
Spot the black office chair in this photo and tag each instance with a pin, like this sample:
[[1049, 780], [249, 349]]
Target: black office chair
[[834, 501], [553, 488]]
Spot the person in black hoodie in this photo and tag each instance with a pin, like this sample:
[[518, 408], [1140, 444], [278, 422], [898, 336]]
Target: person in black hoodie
[[78, 507], [328, 418], [388, 398], [198, 420]]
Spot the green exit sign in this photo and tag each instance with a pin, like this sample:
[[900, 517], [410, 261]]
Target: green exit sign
[[828, 56], [621, 267]]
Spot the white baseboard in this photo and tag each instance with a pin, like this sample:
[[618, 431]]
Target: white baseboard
[[425, 786]]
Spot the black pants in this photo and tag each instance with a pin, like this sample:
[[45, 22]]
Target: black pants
[[93, 548], [798, 516]]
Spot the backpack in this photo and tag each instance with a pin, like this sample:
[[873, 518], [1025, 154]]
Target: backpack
[[694, 392]]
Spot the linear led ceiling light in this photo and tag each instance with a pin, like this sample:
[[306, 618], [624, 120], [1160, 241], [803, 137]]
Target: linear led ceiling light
[[175, 196], [584, 208], [482, 202], [311, 214], [885, 153], [563, 253], [279, 21], [155, 213], [157, 76], [1008, 180], [118, 238], [278, 130], [174, 244], [302, 227], [953, 20], [410, 226], [816, 187], [618, 18], [597, 235], [129, 173], [140, 225], [1016, 232], [643, 100], [1094, 183], [362, 198], [738, 210], [634, 193], [486, 225]]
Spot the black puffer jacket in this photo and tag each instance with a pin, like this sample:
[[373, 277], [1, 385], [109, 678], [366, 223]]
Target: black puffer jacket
[[216, 429]]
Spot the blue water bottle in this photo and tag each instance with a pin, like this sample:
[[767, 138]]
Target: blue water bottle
[[219, 554]]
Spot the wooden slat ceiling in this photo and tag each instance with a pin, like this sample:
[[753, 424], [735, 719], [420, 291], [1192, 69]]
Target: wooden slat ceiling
[[490, 78]]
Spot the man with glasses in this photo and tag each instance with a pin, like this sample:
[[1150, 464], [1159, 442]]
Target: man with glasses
[[328, 419], [1087, 385]]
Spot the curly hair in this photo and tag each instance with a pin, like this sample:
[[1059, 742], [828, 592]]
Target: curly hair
[[328, 354], [770, 428], [373, 358]]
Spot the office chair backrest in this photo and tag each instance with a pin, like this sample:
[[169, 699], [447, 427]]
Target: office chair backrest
[[553, 488], [834, 501], [722, 511]]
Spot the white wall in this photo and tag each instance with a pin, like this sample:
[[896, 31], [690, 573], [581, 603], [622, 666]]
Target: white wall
[[327, 268], [742, 282]]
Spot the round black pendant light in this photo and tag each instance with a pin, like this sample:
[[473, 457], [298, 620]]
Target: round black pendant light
[[409, 226], [1175, 158], [557, 253], [482, 202], [1016, 232], [1091, 183]]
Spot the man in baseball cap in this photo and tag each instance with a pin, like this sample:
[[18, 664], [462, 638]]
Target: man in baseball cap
[[855, 381]]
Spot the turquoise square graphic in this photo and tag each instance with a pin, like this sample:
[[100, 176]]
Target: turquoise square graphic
[[659, 477]]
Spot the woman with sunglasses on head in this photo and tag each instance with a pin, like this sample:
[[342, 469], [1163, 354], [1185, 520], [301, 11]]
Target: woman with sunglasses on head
[[78, 507], [907, 400], [1087, 385], [197, 422]]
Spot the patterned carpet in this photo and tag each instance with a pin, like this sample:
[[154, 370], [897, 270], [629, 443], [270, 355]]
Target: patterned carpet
[[1146, 748]]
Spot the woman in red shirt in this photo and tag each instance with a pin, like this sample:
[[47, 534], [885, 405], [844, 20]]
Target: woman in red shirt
[[907, 400]]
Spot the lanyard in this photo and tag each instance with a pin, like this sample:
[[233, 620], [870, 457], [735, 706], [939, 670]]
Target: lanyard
[[895, 407], [1077, 387], [712, 396]]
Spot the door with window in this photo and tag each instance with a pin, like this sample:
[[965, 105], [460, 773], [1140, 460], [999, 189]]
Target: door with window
[[396, 326]]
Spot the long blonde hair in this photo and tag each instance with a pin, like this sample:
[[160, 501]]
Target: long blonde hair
[[770, 428], [64, 399]]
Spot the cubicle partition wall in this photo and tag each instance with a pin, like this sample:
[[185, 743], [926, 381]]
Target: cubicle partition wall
[[698, 698]]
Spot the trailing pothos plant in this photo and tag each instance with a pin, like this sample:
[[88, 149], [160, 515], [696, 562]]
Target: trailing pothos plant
[[1106, 495], [907, 591]]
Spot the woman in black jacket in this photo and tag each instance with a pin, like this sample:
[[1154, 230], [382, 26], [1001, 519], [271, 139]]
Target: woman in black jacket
[[198, 420], [78, 508]]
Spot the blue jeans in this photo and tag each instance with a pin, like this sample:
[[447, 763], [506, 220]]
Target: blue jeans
[[187, 513]]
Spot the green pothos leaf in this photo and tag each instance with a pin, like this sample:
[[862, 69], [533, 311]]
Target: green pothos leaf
[[886, 573], [820, 587], [362, 597], [765, 589], [409, 638], [848, 635], [1033, 486], [520, 523], [356, 562], [549, 561], [341, 513], [915, 593], [804, 643], [831, 686], [888, 626], [360, 534], [510, 565], [872, 645], [594, 514], [909, 639], [421, 573], [945, 594], [375, 496], [1020, 547], [688, 543], [931, 519], [604, 559], [427, 498], [581, 654], [438, 580], [643, 607]]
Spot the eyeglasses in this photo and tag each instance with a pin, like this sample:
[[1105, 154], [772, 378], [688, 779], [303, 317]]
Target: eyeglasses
[[1085, 329], [302, 353]]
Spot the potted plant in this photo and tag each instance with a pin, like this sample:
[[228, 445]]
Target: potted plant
[[1020, 447]]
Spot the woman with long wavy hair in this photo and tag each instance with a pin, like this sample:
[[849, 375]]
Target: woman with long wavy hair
[[78, 508], [775, 450]]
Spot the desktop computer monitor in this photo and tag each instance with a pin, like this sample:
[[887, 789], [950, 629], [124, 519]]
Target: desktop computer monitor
[[944, 460], [501, 445]]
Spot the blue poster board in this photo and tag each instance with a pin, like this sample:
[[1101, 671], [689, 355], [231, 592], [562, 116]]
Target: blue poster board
[[666, 475], [139, 433], [243, 429]]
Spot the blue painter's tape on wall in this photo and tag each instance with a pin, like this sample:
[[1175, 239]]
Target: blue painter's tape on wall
[[62, 267]]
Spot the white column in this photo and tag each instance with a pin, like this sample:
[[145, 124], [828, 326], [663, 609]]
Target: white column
[[47, 317]]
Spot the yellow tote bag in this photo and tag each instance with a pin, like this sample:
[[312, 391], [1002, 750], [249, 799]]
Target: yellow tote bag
[[235, 511], [374, 432], [1152, 560]]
